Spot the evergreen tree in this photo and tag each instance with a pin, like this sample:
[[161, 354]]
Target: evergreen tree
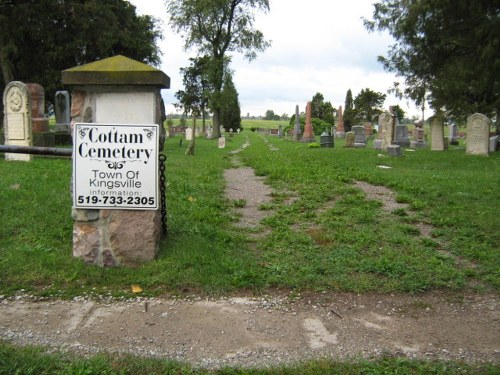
[[348, 112], [230, 106]]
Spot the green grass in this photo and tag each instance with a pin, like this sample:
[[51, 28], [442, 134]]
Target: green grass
[[329, 238], [32, 360]]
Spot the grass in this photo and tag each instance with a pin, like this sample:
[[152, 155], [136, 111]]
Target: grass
[[320, 234], [329, 238], [32, 360]]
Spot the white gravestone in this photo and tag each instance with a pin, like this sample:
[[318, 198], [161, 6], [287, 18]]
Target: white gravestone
[[17, 119], [437, 134], [478, 134]]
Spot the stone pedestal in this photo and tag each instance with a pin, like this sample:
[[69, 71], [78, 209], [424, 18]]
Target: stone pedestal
[[117, 91]]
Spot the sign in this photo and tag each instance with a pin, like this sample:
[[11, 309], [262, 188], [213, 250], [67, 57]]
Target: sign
[[115, 166]]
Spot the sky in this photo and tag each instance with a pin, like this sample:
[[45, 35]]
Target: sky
[[317, 46]]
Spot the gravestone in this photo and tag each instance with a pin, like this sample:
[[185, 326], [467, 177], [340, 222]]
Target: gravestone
[[377, 144], [419, 136], [189, 134], [297, 131], [359, 136], [62, 111], [453, 134], [210, 132], [401, 137], [17, 119], [349, 139], [494, 143], [308, 135], [280, 131], [368, 129], [37, 94], [385, 125], [394, 150], [478, 135], [437, 134], [117, 93], [222, 142], [340, 125]]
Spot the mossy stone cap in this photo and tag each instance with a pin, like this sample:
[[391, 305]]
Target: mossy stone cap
[[116, 70]]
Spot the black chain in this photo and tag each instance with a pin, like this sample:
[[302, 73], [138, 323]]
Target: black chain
[[163, 192]]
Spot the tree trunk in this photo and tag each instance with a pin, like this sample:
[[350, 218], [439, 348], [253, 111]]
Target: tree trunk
[[216, 123]]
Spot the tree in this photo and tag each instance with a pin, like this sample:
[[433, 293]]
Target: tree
[[230, 109], [270, 115], [398, 111], [40, 38], [368, 104], [349, 115], [321, 109], [194, 98], [216, 28], [448, 49]]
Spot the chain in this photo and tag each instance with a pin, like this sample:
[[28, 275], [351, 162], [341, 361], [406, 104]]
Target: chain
[[163, 192]]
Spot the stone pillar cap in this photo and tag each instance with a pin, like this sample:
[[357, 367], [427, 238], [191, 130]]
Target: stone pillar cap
[[116, 70]]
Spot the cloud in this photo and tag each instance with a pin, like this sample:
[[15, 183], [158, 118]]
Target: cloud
[[317, 46]]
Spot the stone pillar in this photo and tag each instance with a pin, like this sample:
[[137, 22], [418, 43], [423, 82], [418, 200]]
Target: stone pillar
[[340, 133], [297, 131], [118, 91], [385, 123], [437, 134], [308, 135], [17, 119]]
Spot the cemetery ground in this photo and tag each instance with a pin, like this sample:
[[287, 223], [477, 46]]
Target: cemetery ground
[[310, 257]]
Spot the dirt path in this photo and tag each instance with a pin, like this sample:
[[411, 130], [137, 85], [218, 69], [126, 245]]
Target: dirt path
[[266, 331]]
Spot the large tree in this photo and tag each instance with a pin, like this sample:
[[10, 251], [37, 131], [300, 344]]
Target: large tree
[[447, 49], [40, 38], [321, 109], [230, 108], [216, 28], [367, 105], [348, 114]]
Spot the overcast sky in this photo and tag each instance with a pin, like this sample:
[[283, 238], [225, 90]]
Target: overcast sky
[[317, 46]]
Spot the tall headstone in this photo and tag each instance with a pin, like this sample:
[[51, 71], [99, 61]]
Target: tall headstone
[[37, 94], [385, 125], [453, 134], [437, 134], [62, 111], [478, 134], [17, 119], [349, 139], [113, 91], [340, 133], [308, 135], [297, 131], [189, 134], [359, 136]]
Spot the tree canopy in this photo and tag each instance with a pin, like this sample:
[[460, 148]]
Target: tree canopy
[[321, 109], [446, 50], [367, 105], [216, 28], [40, 38]]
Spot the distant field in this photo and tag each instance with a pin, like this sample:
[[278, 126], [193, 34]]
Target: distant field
[[246, 124]]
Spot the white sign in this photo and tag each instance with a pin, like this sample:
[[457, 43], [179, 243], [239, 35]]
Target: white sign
[[115, 166]]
